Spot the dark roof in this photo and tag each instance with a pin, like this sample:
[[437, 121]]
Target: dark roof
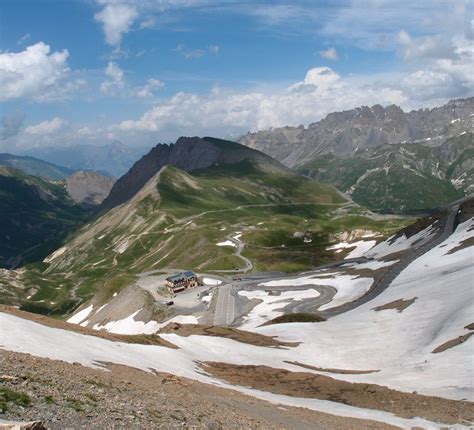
[[182, 275]]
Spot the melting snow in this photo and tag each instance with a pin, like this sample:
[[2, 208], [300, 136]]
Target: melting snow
[[226, 243], [401, 243], [360, 247], [211, 281], [80, 316], [55, 254], [267, 310], [129, 326]]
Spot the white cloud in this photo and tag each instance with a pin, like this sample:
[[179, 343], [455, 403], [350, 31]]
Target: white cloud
[[329, 54], [427, 47], [117, 19], [226, 111], [23, 39], [147, 90], [46, 127], [190, 53], [115, 79], [34, 72]]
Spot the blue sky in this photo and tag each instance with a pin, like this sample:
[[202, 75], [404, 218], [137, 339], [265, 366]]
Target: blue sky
[[144, 71]]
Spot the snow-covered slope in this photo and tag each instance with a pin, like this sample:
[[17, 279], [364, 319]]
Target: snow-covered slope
[[398, 343]]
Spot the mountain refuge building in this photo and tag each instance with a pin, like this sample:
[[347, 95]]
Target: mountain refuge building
[[182, 281]]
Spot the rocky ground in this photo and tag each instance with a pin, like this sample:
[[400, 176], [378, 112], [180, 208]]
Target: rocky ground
[[70, 396]]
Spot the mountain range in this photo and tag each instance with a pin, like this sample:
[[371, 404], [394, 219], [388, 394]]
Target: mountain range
[[352, 150], [113, 159], [35, 166]]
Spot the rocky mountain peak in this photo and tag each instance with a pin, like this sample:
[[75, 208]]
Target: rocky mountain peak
[[188, 154], [343, 133]]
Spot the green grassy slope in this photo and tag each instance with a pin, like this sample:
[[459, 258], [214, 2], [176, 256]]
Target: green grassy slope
[[177, 219], [35, 216], [402, 177]]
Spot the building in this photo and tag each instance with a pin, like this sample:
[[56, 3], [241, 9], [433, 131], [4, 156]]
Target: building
[[182, 281]]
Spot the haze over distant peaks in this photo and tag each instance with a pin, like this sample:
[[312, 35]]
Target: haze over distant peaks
[[113, 159]]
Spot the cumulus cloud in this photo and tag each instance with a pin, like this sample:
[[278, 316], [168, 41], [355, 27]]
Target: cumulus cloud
[[116, 19], [33, 72], [329, 54], [427, 47], [115, 79], [11, 124], [46, 127], [227, 111]]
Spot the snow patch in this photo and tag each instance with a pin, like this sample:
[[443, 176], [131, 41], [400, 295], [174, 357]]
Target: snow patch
[[267, 310], [211, 281], [55, 254], [360, 247], [226, 243], [80, 316]]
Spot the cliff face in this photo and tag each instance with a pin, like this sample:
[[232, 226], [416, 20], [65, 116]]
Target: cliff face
[[344, 133], [188, 154], [89, 188]]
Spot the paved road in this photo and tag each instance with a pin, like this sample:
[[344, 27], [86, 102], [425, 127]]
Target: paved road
[[239, 247], [384, 282], [225, 306]]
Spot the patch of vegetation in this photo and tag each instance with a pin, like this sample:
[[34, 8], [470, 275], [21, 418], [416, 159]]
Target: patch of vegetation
[[36, 216], [399, 178], [49, 400], [75, 404], [299, 317], [8, 395]]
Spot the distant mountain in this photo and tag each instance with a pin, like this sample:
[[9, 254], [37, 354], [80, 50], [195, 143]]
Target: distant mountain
[[226, 208], [35, 214], [188, 154], [89, 188], [176, 218], [401, 177], [431, 149], [34, 166], [114, 159]]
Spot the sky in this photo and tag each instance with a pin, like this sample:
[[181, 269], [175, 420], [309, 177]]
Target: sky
[[148, 71]]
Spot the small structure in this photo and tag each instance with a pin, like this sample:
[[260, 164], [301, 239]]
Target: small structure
[[182, 281]]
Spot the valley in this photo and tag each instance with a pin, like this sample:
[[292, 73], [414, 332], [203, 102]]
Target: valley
[[308, 300]]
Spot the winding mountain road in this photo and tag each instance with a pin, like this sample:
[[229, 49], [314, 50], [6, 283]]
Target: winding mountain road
[[386, 280]]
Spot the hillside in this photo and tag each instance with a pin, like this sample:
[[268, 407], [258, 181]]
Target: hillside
[[379, 151], [35, 215], [188, 154], [401, 358], [249, 213], [35, 167], [401, 177]]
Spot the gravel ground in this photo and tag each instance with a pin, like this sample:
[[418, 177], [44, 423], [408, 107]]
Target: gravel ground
[[70, 396]]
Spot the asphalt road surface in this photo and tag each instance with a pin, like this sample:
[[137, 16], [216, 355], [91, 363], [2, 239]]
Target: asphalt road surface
[[384, 282], [225, 306]]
